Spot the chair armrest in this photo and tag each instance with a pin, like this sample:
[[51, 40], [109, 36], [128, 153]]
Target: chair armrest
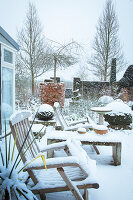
[[54, 146], [78, 157], [71, 128], [78, 122], [75, 128], [53, 163]]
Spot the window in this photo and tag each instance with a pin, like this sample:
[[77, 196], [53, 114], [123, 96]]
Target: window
[[7, 95], [8, 56]]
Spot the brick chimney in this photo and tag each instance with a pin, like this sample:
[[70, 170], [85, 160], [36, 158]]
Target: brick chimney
[[113, 77], [51, 92], [113, 71]]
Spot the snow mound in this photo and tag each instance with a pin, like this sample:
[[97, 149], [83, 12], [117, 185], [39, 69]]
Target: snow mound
[[45, 108], [45, 112], [119, 106], [105, 99]]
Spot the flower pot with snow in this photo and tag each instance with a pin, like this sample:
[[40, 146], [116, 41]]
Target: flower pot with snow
[[45, 112], [51, 92], [100, 129], [81, 130]]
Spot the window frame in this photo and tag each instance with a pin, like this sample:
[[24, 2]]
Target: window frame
[[10, 52], [8, 66]]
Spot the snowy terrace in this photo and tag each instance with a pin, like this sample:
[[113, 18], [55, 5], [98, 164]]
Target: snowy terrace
[[115, 181]]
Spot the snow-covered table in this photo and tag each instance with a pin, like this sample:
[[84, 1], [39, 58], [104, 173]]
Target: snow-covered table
[[101, 111], [90, 138]]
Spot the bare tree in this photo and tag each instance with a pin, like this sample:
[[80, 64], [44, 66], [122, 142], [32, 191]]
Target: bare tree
[[32, 56], [106, 44], [62, 55], [82, 74]]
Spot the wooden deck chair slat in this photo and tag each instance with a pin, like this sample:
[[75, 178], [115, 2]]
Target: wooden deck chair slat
[[17, 132], [32, 149], [35, 146], [28, 141], [14, 130], [23, 135]]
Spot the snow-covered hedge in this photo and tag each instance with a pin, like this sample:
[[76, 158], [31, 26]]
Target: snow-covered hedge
[[120, 115]]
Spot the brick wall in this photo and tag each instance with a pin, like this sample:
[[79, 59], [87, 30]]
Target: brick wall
[[127, 94], [92, 88]]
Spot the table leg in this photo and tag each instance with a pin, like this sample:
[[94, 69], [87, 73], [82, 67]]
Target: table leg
[[117, 154], [50, 154]]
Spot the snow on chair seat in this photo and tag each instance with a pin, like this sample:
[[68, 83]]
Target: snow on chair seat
[[79, 176]]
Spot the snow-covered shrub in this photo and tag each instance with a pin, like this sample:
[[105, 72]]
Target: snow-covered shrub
[[130, 103], [45, 112], [121, 114], [13, 187], [104, 100], [119, 107], [78, 110]]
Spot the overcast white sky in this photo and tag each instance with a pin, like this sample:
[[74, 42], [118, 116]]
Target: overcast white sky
[[66, 19]]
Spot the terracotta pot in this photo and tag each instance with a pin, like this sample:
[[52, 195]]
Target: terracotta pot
[[100, 131], [81, 132]]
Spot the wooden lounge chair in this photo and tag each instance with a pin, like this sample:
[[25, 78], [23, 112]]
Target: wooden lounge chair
[[72, 172], [87, 123]]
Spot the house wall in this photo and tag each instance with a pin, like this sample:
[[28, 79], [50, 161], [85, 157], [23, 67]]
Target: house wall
[[7, 84], [0, 94]]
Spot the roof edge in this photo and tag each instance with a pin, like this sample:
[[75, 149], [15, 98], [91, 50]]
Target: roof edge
[[9, 38]]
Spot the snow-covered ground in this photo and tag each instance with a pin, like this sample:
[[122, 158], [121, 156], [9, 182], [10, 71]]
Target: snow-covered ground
[[116, 182]]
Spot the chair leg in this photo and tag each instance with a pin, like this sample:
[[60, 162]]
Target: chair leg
[[70, 185], [42, 196], [86, 195], [27, 180]]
